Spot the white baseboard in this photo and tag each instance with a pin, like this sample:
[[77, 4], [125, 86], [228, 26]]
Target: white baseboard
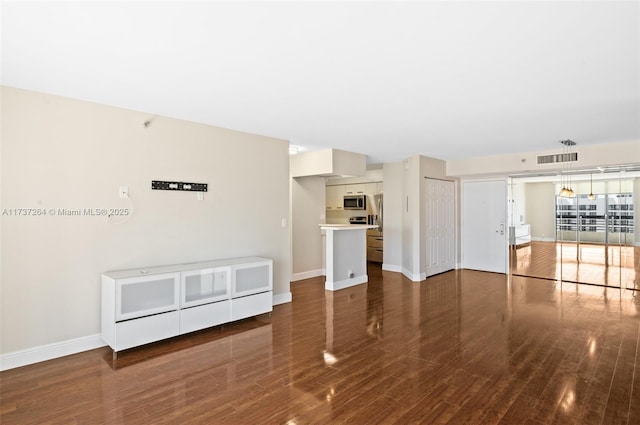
[[50, 351], [391, 268], [536, 239], [346, 283], [306, 275], [414, 277], [282, 298]]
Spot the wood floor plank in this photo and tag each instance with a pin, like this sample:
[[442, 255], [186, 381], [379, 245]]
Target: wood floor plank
[[461, 347]]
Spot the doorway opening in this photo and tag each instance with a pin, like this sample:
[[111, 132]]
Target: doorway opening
[[589, 238]]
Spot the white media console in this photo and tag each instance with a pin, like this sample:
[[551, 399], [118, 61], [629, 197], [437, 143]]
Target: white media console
[[140, 306]]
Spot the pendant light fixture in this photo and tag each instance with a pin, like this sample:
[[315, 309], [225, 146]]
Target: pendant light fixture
[[567, 157], [591, 196]]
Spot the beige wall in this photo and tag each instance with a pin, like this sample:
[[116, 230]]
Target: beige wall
[[63, 153], [392, 225], [540, 210], [308, 210]]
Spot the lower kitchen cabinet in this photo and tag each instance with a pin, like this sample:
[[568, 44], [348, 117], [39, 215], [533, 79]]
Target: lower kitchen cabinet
[[145, 305], [374, 245]]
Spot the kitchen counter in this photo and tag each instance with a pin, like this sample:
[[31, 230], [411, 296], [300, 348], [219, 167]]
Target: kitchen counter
[[346, 255], [347, 226]]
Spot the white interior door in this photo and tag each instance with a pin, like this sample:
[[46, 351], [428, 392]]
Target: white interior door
[[440, 228], [484, 225]]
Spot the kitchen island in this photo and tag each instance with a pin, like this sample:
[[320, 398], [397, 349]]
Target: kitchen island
[[346, 255]]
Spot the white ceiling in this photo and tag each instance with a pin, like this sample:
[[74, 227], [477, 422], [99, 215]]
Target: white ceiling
[[388, 79]]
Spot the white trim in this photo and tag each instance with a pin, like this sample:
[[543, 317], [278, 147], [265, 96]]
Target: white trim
[[414, 277], [281, 298], [306, 275], [391, 268], [537, 239], [50, 351], [346, 283]]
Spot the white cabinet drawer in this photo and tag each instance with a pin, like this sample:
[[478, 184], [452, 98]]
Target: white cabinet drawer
[[251, 305], [145, 330], [204, 316]]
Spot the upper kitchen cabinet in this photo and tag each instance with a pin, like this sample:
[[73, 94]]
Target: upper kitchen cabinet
[[336, 193], [356, 189], [335, 196]]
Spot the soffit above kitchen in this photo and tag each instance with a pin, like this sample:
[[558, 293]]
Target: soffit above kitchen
[[448, 80]]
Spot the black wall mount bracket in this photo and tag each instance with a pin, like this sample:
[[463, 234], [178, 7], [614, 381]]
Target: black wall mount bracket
[[190, 187]]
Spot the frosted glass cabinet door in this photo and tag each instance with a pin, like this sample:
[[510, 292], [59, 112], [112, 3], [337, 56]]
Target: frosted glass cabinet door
[[146, 295], [204, 286], [252, 279]]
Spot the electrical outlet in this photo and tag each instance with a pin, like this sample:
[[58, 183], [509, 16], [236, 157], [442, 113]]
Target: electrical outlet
[[124, 191]]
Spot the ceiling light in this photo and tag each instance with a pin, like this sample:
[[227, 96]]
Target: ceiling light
[[293, 150], [591, 196], [567, 157]]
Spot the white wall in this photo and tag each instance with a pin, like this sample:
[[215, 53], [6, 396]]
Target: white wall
[[411, 218], [518, 203], [328, 162], [308, 210], [588, 156], [63, 153]]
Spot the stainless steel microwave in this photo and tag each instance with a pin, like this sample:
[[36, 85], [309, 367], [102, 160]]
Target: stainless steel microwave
[[355, 202]]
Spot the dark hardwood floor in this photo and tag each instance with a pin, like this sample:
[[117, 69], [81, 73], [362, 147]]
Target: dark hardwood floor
[[463, 347]]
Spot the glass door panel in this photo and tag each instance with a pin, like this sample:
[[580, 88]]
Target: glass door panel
[[205, 286], [578, 239]]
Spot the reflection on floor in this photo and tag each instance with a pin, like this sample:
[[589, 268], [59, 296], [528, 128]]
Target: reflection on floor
[[463, 347], [589, 263]]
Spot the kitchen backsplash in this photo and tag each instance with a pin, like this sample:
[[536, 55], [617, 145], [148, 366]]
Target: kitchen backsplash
[[342, 217]]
